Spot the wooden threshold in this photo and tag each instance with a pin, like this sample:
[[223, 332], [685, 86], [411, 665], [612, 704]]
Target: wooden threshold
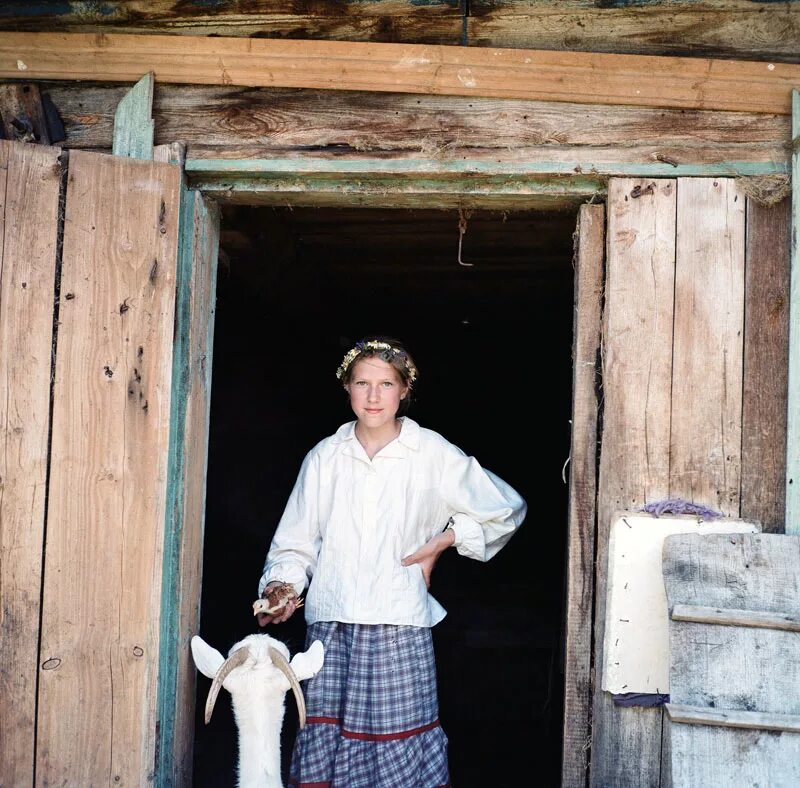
[[641, 80]]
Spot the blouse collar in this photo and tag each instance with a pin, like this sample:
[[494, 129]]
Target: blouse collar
[[409, 435]]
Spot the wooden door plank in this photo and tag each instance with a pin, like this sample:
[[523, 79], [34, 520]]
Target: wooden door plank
[[706, 439], [766, 351], [793, 410], [725, 718], [704, 614], [108, 473], [582, 494], [183, 546], [30, 181], [133, 121], [640, 80], [634, 459]]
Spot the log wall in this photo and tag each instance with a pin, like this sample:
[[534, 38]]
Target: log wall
[[717, 28]]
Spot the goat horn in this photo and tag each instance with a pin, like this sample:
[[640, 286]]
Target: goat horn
[[284, 667], [233, 661]]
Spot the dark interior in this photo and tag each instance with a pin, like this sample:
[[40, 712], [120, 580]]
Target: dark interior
[[492, 341]]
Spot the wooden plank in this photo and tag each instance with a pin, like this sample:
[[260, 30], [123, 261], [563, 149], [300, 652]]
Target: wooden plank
[[708, 28], [730, 756], [706, 439], [703, 614], [752, 720], [431, 21], [766, 350], [30, 178], [736, 671], [183, 546], [689, 83], [698, 571], [133, 121], [793, 412], [582, 494], [259, 123], [634, 458], [105, 529]]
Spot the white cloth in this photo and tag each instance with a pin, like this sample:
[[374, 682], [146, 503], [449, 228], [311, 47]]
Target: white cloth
[[350, 521]]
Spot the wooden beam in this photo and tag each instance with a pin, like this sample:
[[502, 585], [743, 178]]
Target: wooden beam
[[133, 121], [752, 720], [405, 68], [589, 259], [703, 614], [793, 411]]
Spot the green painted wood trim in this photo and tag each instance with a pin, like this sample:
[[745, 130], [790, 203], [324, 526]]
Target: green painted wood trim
[[264, 168], [793, 420], [193, 213], [133, 121]]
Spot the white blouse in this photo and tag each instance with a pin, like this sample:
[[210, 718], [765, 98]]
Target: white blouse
[[350, 521]]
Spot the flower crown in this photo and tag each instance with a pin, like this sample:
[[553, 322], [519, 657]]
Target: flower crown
[[388, 353]]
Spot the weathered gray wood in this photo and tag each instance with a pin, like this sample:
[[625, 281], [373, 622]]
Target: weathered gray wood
[[793, 420], [735, 28], [766, 350], [753, 720], [634, 459], [703, 614], [730, 675], [224, 122], [582, 494], [717, 28], [750, 572], [706, 430], [133, 121], [733, 757]]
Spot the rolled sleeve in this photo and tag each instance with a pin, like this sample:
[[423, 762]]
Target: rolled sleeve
[[292, 556], [486, 511]]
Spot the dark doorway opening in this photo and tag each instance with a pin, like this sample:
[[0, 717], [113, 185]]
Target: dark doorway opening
[[296, 288]]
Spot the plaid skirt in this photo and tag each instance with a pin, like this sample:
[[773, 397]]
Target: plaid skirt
[[373, 715]]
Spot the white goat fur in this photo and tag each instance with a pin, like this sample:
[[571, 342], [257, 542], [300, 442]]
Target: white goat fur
[[258, 691]]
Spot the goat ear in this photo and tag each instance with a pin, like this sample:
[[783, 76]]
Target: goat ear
[[307, 664], [206, 658]]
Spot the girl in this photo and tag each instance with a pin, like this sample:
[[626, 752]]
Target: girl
[[373, 508]]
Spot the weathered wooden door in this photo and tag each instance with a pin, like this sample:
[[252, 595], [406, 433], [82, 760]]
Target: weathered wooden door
[[99, 459], [693, 390]]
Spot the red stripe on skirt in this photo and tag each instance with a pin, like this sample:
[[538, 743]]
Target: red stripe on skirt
[[373, 736]]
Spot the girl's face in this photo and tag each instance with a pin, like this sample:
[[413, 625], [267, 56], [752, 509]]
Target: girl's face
[[375, 390]]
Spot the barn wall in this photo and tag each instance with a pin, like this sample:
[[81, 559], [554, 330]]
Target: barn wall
[[745, 29], [695, 305]]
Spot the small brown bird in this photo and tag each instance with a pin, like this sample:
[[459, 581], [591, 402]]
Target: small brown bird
[[275, 599]]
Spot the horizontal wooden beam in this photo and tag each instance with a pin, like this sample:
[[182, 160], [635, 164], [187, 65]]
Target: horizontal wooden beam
[[592, 78], [700, 614], [726, 718], [260, 168]]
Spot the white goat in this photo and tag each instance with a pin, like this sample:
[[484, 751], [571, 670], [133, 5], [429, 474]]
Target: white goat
[[257, 673]]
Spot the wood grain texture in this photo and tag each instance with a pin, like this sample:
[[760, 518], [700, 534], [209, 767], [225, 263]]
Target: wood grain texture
[[133, 121], [766, 352], [793, 404], [753, 720], [432, 21], [727, 672], [30, 178], [703, 614], [709, 28], [229, 122], [183, 546], [634, 458], [105, 529], [706, 434], [592, 78], [582, 494]]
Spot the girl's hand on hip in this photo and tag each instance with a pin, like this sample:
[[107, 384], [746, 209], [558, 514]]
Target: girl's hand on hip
[[429, 553]]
